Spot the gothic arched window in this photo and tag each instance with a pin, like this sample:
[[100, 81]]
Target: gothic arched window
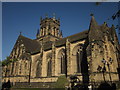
[[49, 64], [38, 69], [49, 68], [12, 70], [77, 58], [20, 67], [61, 62]]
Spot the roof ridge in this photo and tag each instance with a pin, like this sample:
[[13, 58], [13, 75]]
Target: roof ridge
[[74, 34], [25, 37]]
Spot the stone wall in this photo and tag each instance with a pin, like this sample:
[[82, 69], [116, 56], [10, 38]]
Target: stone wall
[[102, 55], [44, 79], [16, 79]]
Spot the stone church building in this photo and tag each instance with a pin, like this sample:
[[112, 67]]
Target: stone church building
[[92, 55]]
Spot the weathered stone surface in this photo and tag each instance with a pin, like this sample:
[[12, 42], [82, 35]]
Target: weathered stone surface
[[50, 56]]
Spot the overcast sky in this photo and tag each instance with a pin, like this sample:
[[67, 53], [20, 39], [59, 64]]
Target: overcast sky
[[74, 18]]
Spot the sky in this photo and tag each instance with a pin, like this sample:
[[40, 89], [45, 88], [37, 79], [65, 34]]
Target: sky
[[74, 18]]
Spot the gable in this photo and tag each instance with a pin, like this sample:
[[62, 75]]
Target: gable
[[24, 45]]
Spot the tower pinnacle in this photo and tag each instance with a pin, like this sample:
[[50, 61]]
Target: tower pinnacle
[[93, 23], [54, 15], [40, 18], [49, 27], [46, 15], [20, 33]]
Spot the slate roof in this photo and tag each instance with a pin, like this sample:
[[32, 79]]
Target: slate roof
[[31, 46], [47, 45], [72, 38]]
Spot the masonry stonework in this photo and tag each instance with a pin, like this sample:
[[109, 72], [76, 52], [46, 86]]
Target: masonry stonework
[[49, 56]]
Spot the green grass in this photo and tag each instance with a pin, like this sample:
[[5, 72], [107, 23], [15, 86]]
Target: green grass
[[38, 89], [26, 89]]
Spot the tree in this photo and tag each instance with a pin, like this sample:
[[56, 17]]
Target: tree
[[115, 16], [7, 61]]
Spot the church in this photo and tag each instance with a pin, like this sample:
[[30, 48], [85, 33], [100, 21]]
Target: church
[[92, 55]]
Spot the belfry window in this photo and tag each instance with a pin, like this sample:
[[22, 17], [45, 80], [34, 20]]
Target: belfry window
[[44, 32]]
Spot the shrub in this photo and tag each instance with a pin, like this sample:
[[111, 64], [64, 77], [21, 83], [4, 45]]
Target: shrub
[[61, 82]]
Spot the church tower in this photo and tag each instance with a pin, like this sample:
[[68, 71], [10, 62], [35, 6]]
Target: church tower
[[49, 29]]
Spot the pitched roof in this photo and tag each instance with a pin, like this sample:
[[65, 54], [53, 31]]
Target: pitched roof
[[32, 46], [47, 45], [72, 38]]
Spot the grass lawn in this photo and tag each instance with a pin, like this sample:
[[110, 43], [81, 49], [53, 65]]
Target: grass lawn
[[26, 89], [38, 89]]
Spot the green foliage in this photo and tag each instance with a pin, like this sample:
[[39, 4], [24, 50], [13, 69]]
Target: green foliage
[[61, 82], [14, 60], [0, 62], [7, 61]]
